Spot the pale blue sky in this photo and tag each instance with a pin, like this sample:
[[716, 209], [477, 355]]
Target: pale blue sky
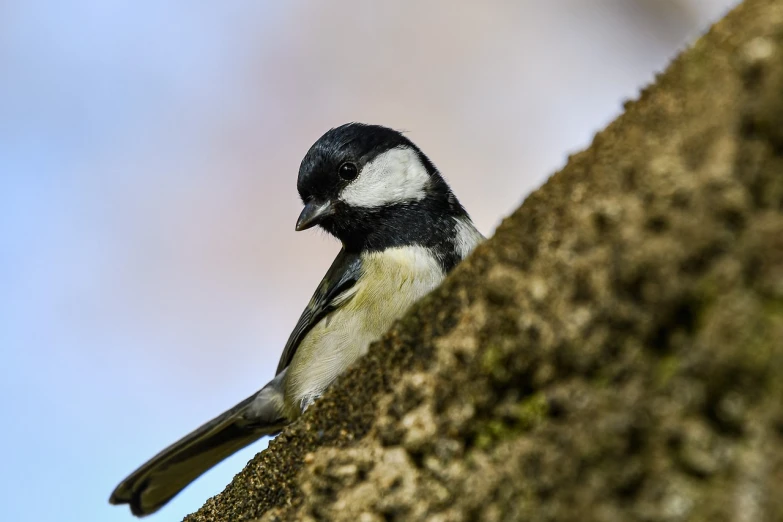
[[149, 270]]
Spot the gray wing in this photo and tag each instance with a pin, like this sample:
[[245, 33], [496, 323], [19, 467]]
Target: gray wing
[[340, 277], [167, 473]]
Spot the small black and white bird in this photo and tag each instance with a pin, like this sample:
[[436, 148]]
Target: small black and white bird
[[402, 230]]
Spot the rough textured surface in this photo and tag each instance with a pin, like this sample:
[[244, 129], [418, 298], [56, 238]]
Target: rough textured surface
[[614, 353]]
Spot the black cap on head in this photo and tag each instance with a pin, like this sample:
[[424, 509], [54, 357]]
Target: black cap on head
[[372, 188], [355, 143]]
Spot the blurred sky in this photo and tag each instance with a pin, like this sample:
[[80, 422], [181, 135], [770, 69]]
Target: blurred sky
[[149, 268]]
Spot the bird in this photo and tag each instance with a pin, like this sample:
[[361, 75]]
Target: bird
[[402, 231]]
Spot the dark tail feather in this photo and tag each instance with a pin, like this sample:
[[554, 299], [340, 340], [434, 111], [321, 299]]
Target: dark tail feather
[[157, 481]]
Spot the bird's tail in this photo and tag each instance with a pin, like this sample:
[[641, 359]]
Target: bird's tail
[[157, 481]]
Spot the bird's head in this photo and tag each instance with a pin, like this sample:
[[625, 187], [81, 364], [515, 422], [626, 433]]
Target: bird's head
[[359, 179]]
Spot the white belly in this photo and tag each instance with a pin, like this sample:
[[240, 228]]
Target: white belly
[[390, 282]]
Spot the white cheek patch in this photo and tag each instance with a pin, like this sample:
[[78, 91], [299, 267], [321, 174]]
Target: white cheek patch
[[395, 176], [466, 237]]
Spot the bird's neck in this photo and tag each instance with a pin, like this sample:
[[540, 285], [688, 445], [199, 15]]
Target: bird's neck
[[425, 224]]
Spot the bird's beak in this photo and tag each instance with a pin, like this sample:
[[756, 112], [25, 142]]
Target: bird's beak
[[313, 213]]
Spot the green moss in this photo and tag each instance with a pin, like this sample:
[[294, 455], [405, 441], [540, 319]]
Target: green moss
[[773, 308], [602, 380], [707, 292], [493, 363], [666, 370], [532, 411], [523, 417], [758, 354]]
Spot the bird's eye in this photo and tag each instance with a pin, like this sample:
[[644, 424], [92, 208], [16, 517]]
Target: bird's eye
[[348, 171]]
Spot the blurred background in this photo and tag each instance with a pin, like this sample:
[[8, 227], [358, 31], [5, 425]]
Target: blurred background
[[149, 269]]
